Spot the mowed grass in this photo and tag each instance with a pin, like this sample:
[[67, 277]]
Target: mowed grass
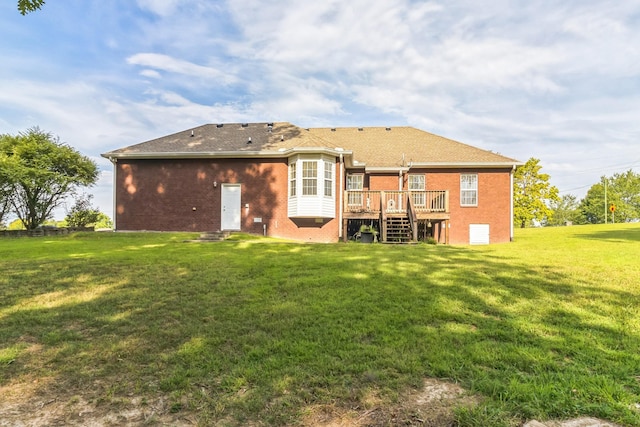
[[258, 330]]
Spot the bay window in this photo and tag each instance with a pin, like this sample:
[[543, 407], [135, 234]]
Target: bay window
[[311, 186]]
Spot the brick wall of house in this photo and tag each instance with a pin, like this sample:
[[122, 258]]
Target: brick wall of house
[[383, 182], [180, 195], [494, 199]]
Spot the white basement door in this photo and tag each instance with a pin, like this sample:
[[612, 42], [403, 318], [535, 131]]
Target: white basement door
[[479, 234]]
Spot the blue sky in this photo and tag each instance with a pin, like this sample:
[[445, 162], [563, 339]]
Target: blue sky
[[559, 81]]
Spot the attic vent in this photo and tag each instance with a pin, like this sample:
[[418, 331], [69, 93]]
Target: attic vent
[[387, 128], [360, 129], [249, 140], [219, 125], [244, 125]]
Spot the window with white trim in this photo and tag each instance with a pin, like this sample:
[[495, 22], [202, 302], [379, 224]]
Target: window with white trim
[[309, 178], [417, 183], [328, 179], [312, 179], [292, 180], [469, 189], [355, 184]]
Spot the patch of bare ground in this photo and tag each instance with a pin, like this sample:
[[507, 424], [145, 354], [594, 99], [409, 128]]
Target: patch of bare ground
[[38, 403], [431, 406], [26, 404], [576, 422]]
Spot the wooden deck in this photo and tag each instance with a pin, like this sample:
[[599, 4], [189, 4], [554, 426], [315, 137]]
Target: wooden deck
[[388, 207]]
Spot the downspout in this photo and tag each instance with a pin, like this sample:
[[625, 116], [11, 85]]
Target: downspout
[[511, 204], [341, 198], [113, 204]]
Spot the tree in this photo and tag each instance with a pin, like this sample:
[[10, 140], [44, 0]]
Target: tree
[[103, 221], [82, 213], [623, 191], [6, 189], [565, 210], [532, 194], [16, 224], [26, 6], [42, 172]]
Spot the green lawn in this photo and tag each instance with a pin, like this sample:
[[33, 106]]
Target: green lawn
[[258, 330]]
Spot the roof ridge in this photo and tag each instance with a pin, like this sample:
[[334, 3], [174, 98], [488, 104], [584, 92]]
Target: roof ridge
[[375, 146]]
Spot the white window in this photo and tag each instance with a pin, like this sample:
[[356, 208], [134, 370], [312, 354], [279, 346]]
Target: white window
[[469, 189], [292, 180], [328, 179], [355, 184], [416, 183], [312, 182], [309, 178]]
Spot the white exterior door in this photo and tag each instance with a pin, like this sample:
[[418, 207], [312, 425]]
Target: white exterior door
[[479, 234], [231, 209]]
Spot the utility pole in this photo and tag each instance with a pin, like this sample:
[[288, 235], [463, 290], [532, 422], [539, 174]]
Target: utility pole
[[606, 214]]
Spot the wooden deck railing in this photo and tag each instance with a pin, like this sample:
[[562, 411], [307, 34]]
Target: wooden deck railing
[[395, 202]]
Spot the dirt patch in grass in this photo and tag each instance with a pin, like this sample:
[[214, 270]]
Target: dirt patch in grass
[[431, 406], [26, 405]]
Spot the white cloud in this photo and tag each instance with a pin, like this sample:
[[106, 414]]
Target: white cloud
[[160, 7], [178, 66], [152, 74]]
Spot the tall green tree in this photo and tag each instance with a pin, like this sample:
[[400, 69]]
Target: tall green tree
[[42, 173], [532, 194], [26, 6], [623, 191], [565, 210], [82, 213], [6, 189]]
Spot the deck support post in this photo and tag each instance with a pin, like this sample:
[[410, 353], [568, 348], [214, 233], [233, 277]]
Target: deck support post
[[345, 229], [446, 232]]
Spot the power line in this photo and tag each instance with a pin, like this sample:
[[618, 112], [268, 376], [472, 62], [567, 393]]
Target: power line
[[601, 168], [576, 188]]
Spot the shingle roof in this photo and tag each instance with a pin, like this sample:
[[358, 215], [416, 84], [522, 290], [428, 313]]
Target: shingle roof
[[400, 146], [225, 138], [371, 146]]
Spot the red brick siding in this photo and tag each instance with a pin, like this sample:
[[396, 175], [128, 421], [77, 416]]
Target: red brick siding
[[494, 200], [162, 194], [493, 208], [381, 182]]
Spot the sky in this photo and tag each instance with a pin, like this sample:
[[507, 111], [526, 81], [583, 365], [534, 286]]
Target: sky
[[557, 81]]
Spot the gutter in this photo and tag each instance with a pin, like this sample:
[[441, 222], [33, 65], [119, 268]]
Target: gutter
[[223, 154], [341, 199], [511, 237], [465, 165], [113, 191]]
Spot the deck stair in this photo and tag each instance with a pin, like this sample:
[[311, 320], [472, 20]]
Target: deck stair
[[398, 230]]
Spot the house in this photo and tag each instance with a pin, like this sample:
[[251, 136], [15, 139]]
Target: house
[[317, 184]]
